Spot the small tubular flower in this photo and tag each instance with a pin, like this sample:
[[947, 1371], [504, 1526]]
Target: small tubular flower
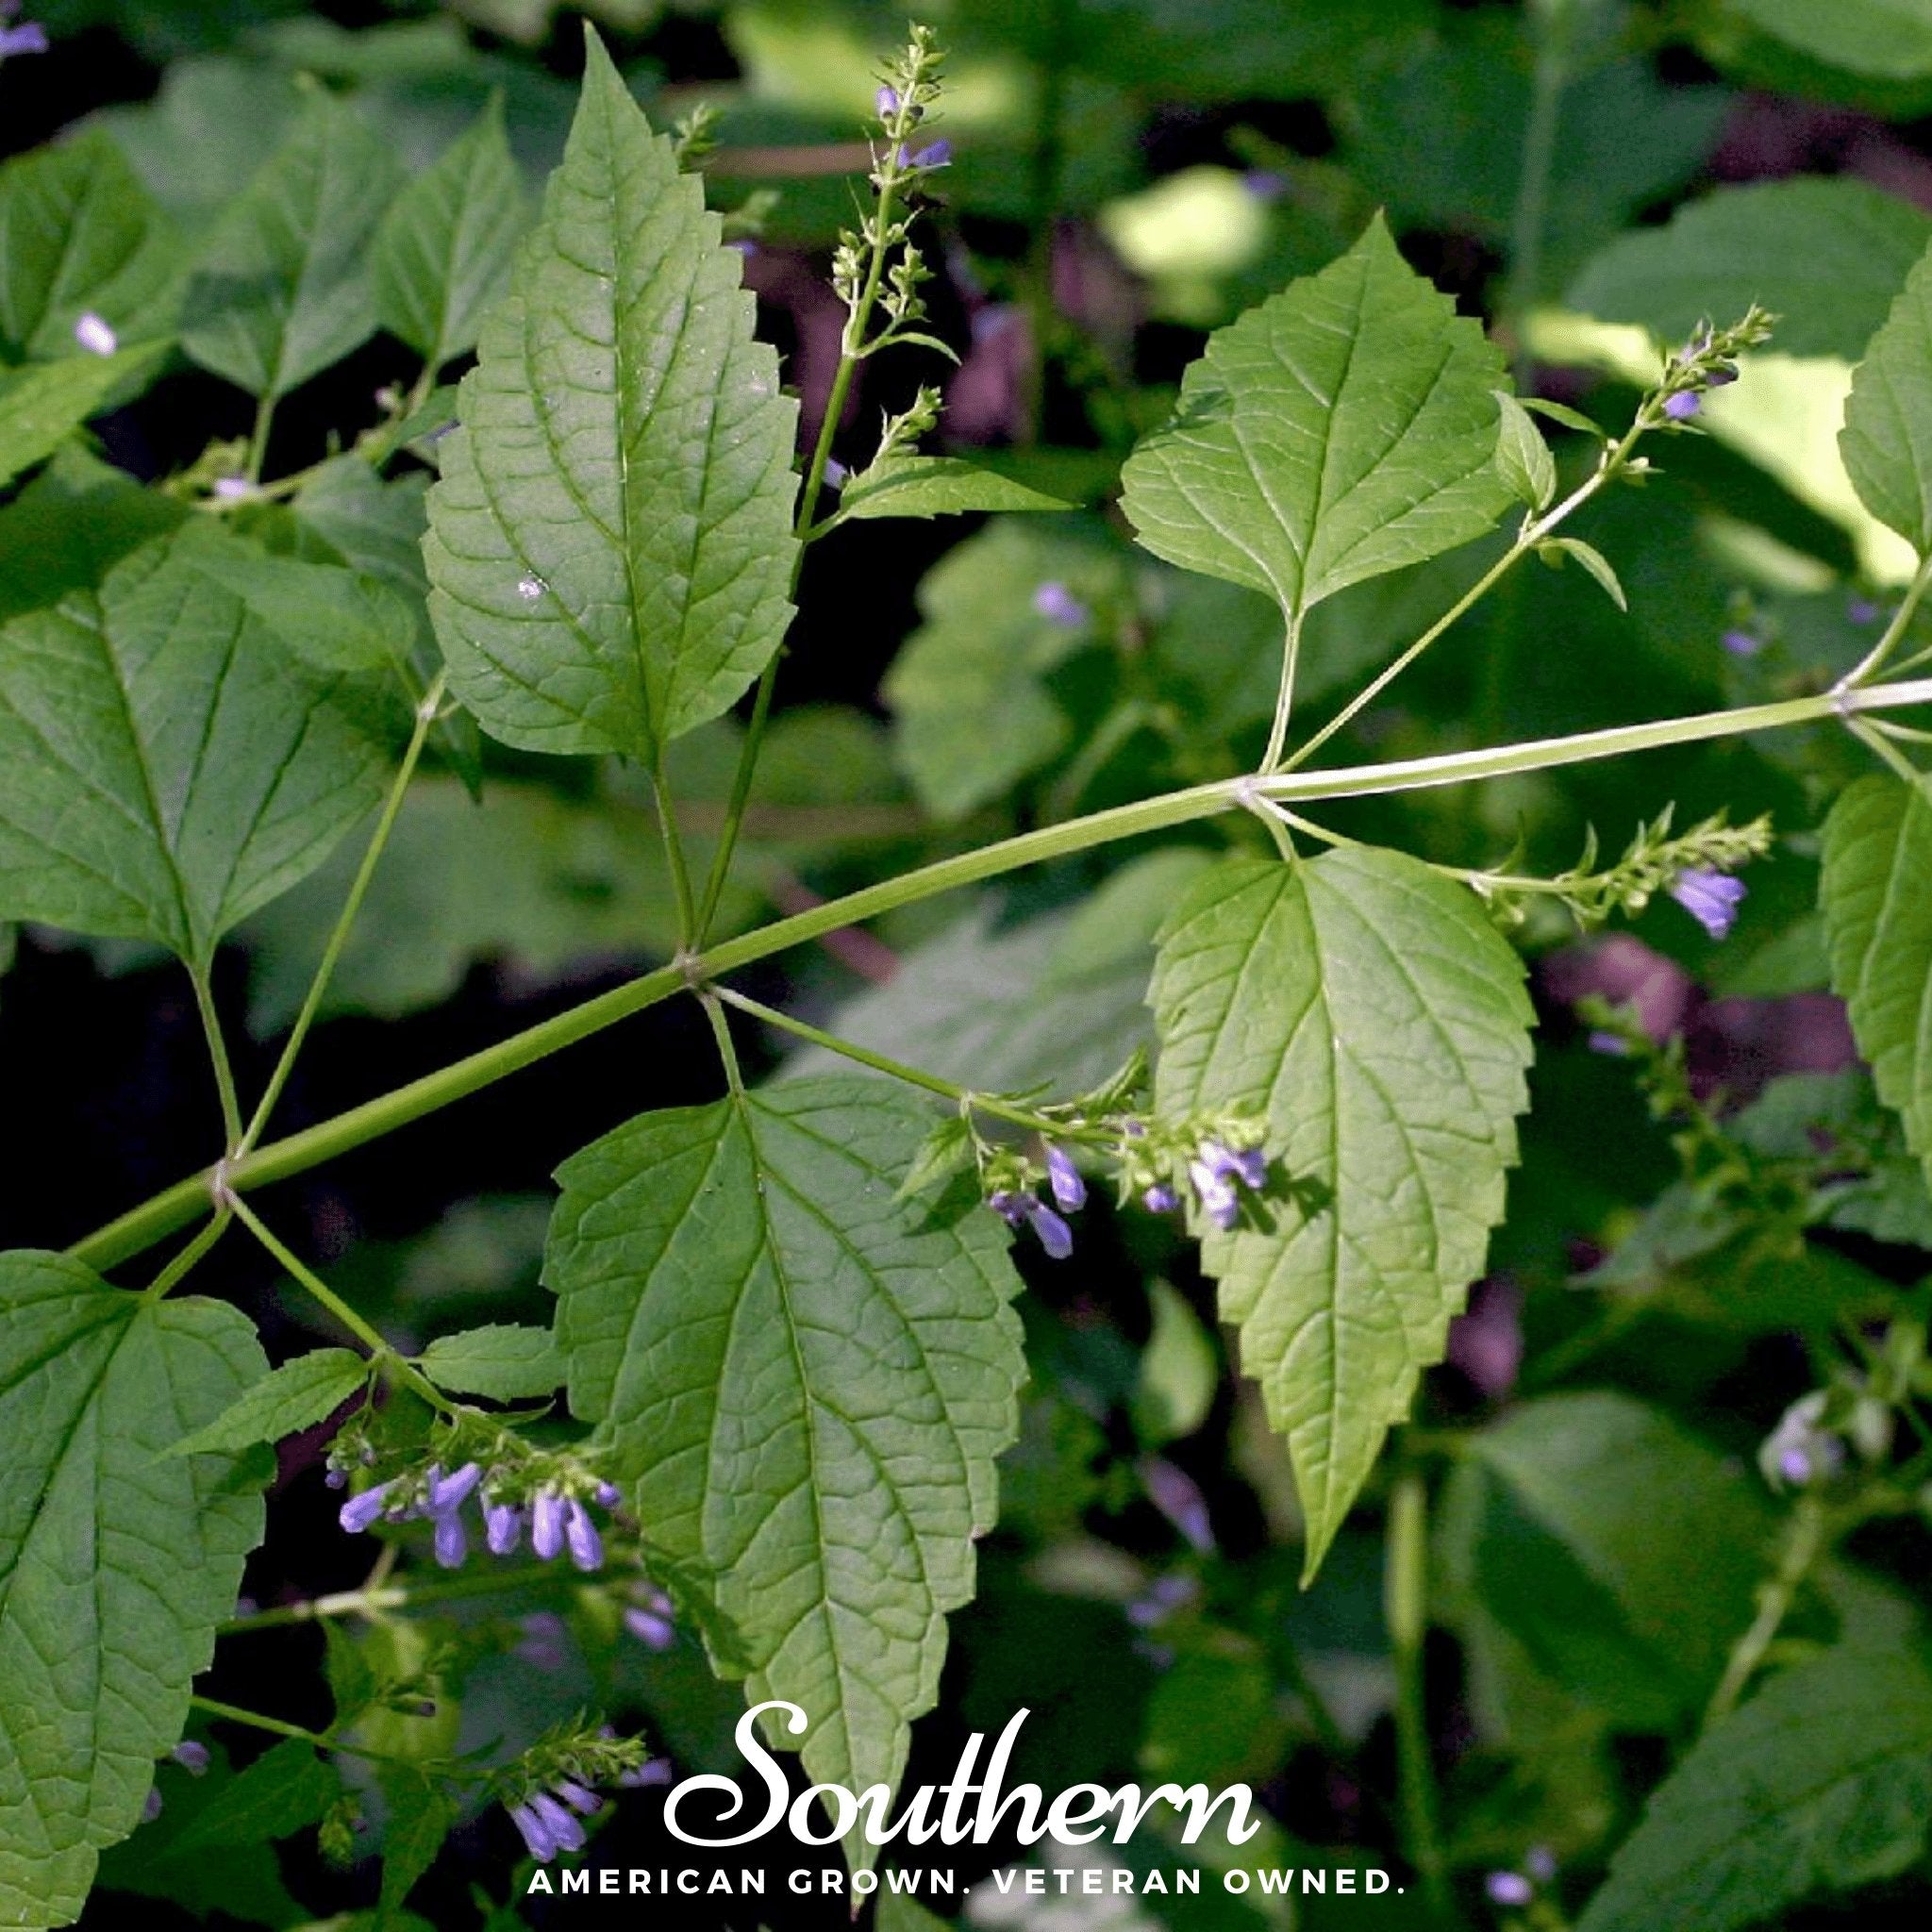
[[546, 1524], [580, 1533], [1069, 1189], [362, 1509], [1711, 898]]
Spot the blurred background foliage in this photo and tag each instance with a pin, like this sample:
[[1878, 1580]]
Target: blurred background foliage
[[1126, 174]]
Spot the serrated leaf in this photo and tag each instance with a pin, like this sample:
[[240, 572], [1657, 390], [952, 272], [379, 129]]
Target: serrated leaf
[[44, 404], [934, 487], [419, 1815], [1878, 923], [1825, 255], [295, 1396], [1522, 457], [1886, 438], [1822, 1782], [117, 1560], [1563, 413], [333, 618], [1555, 549], [79, 235], [70, 526], [209, 1849], [502, 1360], [282, 286], [443, 252], [1891, 39], [1344, 427], [610, 543], [166, 766], [945, 1151], [804, 1380], [1622, 1555], [1367, 1008]]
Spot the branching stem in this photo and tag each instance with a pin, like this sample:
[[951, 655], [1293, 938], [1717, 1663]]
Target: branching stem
[[176, 1207]]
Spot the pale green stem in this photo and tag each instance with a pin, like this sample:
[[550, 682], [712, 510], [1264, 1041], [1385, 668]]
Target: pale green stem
[[174, 1207], [352, 906], [1868, 734], [370, 1338], [376, 1600], [280, 1727], [1875, 658], [1531, 216], [258, 441], [852, 351], [218, 1056], [183, 1264], [1284, 696], [1405, 1608], [1527, 541], [1806, 1540], [883, 1063]]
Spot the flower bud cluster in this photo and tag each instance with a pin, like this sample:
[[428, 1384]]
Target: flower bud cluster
[[1706, 361], [518, 1490], [552, 1788]]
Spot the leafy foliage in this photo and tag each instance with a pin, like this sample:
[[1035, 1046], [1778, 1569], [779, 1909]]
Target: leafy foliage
[[116, 1560], [611, 536], [1367, 1010], [805, 1380]]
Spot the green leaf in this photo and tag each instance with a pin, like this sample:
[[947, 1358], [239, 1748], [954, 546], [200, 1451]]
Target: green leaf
[[1891, 39], [805, 1380], [501, 1361], [934, 487], [1822, 1782], [44, 404], [1886, 440], [1554, 549], [71, 525], [442, 253], [1878, 922], [421, 1813], [78, 235], [295, 1396], [1825, 255], [165, 766], [1522, 457], [1180, 1372], [117, 1560], [282, 288], [1622, 1555], [1369, 1009], [611, 541], [335, 618], [372, 525], [1345, 427], [209, 1849]]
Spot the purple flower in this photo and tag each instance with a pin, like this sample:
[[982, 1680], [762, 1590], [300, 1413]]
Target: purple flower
[[29, 37], [1795, 1465], [1009, 1206], [1541, 1863], [577, 1798], [1069, 1190], [1614, 1044], [337, 1479], [1740, 643], [1679, 409], [1264, 184], [1508, 1889], [190, 1756], [502, 1527], [1711, 898], [1862, 611], [653, 1631], [541, 1845], [151, 1805], [586, 1545], [655, 1771], [1056, 1237], [451, 1544], [1057, 605], [1160, 1199], [939, 155], [564, 1830], [96, 334], [445, 1493], [546, 1524], [1219, 1201], [608, 1495], [362, 1509], [885, 102]]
